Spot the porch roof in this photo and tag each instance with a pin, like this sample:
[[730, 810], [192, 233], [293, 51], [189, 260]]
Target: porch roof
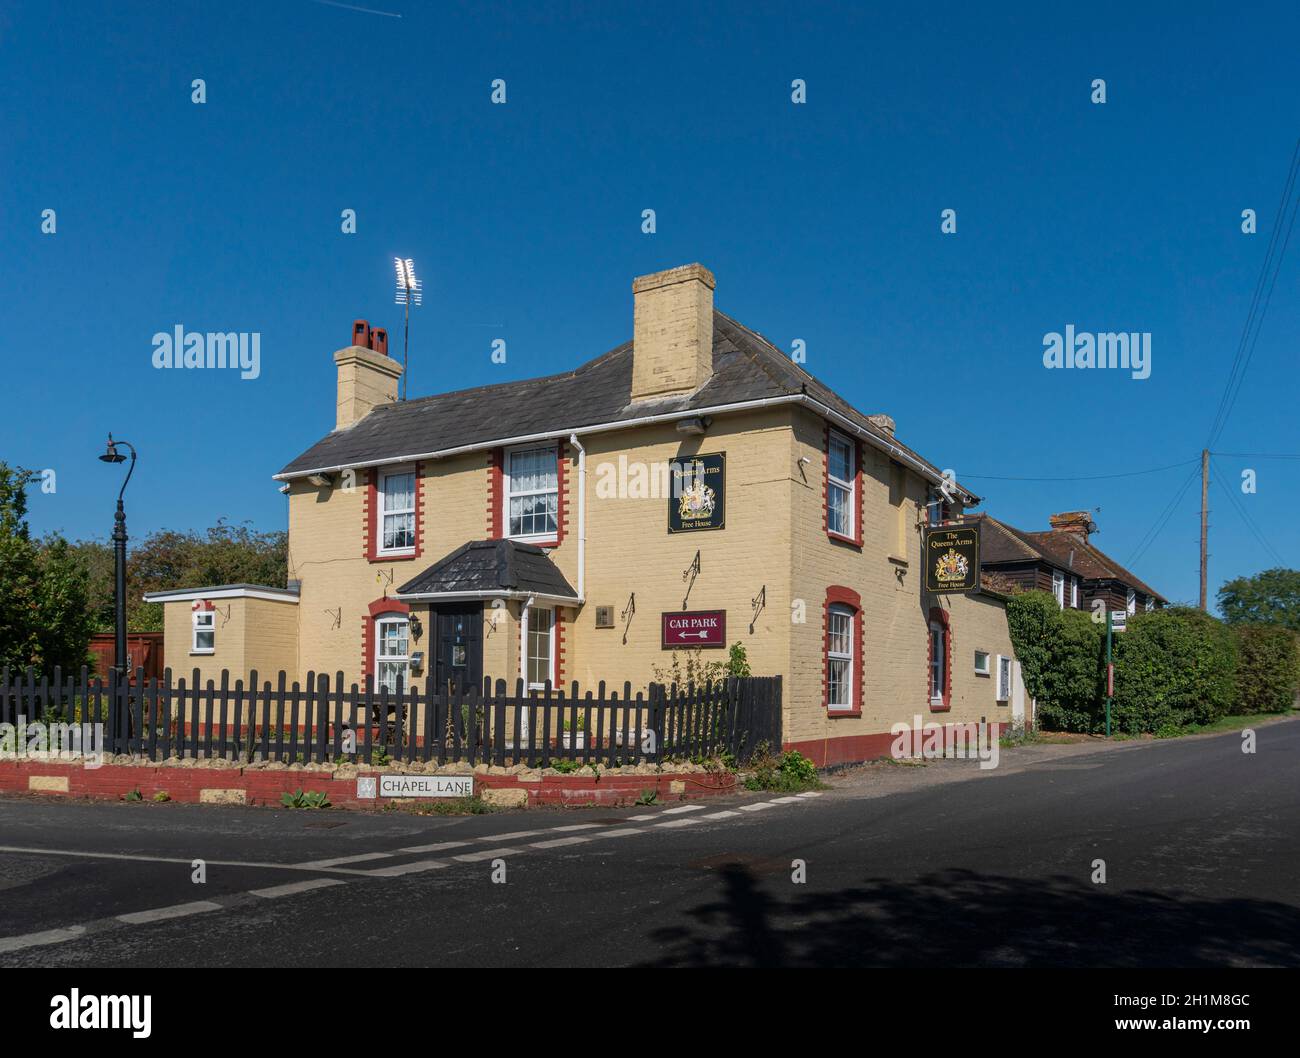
[[485, 569]]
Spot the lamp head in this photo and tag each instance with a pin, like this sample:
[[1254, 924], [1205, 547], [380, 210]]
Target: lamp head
[[111, 454]]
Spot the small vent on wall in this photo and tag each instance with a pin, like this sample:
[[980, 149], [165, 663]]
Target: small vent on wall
[[604, 617]]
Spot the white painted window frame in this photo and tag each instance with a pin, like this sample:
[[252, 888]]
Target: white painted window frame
[[1004, 680], [849, 486], [383, 512], [195, 629], [1131, 602], [848, 705], [985, 670], [1058, 587], [941, 657], [392, 659], [525, 630], [507, 491]]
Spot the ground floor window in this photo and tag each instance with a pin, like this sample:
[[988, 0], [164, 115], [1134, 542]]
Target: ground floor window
[[1004, 678], [939, 676], [392, 653], [205, 632], [839, 658], [539, 648]]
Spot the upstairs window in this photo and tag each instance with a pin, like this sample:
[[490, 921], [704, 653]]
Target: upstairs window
[[532, 491], [1131, 601], [1150, 604], [1058, 588], [938, 508], [1074, 593], [841, 479], [205, 633], [397, 512]]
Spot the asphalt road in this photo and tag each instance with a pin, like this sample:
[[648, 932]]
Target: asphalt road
[[941, 865]]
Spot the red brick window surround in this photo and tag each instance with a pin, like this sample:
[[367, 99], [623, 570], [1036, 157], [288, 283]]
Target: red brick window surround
[[393, 509], [842, 652], [939, 661], [841, 487]]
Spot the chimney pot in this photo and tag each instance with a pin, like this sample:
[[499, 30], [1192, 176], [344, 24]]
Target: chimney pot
[[884, 423], [1076, 523], [361, 333], [379, 340]]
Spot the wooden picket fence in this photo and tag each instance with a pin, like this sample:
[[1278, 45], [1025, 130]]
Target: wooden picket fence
[[323, 721]]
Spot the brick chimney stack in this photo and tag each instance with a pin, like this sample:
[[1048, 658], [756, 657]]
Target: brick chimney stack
[[1075, 523], [367, 377], [672, 332]]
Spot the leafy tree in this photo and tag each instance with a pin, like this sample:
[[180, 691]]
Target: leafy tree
[[1270, 597], [44, 615], [223, 554]]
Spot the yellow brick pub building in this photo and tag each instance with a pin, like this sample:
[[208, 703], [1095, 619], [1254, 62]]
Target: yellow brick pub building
[[690, 489]]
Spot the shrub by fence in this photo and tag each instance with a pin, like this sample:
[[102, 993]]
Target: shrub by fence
[[323, 721]]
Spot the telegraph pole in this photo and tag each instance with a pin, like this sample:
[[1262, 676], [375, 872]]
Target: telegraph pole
[[1205, 521]]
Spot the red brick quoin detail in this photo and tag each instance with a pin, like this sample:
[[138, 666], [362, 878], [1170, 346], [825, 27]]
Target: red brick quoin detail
[[559, 648], [370, 517], [940, 616], [858, 501], [381, 607], [838, 594], [495, 484]]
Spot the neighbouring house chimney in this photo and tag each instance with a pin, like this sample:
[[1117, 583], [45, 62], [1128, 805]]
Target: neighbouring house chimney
[[1076, 523], [672, 331], [379, 340], [884, 423], [366, 377]]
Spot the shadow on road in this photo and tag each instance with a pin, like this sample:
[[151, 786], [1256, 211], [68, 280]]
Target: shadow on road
[[963, 918]]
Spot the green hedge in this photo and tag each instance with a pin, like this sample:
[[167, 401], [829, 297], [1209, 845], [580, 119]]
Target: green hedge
[[1268, 668], [1173, 667]]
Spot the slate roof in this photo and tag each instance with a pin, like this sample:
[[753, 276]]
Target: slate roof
[[491, 567], [746, 367], [1004, 544]]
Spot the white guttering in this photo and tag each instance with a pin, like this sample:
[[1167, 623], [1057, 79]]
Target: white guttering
[[843, 422], [433, 596], [582, 517], [197, 594]]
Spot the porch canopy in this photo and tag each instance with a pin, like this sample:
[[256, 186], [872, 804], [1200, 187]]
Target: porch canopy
[[492, 569]]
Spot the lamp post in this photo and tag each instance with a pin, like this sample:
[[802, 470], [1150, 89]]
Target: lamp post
[[112, 455]]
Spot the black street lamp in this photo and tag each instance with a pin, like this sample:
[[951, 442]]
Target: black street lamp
[[112, 455]]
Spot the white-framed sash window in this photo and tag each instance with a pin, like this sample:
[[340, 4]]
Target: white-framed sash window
[[938, 660], [396, 512], [1004, 678], [532, 493], [839, 658], [841, 482], [1058, 588]]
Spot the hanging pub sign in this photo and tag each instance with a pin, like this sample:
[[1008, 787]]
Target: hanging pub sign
[[952, 559], [695, 628], [698, 497]]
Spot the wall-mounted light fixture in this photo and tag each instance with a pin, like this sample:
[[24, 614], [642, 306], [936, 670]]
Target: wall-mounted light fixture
[[321, 480]]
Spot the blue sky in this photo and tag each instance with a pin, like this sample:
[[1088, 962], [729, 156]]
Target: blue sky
[[821, 221]]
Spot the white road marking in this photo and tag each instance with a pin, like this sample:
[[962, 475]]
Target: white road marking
[[490, 854], [622, 832], [756, 807], [577, 826], [785, 800], [810, 793], [161, 914], [558, 842], [512, 837], [680, 822], [35, 940], [682, 808], [724, 814], [642, 819], [293, 888], [437, 846], [347, 859], [408, 868], [174, 859]]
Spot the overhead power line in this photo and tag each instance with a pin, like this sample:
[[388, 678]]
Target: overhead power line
[[1162, 520], [1258, 307], [1245, 517]]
